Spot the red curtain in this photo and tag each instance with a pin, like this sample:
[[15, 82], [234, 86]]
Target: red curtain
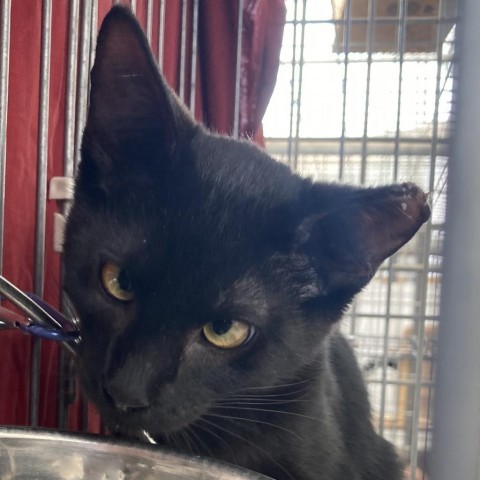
[[213, 104]]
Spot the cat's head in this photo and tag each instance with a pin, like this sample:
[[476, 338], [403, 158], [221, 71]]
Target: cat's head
[[199, 266]]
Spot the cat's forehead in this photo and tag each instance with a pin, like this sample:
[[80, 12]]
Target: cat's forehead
[[246, 292], [241, 170]]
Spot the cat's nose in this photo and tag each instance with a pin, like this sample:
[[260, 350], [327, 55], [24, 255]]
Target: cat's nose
[[124, 396]]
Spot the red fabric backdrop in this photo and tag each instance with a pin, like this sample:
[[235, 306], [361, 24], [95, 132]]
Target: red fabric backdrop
[[215, 74]]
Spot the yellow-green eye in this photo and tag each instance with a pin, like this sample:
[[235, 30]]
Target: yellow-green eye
[[117, 282], [227, 333]]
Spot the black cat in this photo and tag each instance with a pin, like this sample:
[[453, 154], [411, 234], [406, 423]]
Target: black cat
[[209, 280]]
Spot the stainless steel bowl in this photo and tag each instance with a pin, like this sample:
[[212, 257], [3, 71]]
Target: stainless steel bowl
[[31, 454]]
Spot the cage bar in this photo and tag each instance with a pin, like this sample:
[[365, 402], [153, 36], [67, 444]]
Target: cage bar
[[83, 72], [425, 260], [346, 43], [299, 91], [292, 85], [68, 171], [93, 38], [193, 77], [149, 21], [372, 4], [354, 146], [161, 29], [40, 223], [183, 50], [4, 64], [403, 9], [69, 160], [88, 22], [238, 71], [456, 451], [386, 338]]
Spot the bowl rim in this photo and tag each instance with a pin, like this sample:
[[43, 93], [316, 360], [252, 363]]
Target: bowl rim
[[148, 452]]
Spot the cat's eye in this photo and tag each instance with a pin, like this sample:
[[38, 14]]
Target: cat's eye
[[227, 333], [117, 282]]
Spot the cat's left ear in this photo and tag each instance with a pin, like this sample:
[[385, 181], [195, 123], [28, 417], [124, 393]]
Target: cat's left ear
[[132, 111], [353, 231]]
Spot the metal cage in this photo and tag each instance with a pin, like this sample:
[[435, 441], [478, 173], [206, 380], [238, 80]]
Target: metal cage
[[364, 95], [370, 103]]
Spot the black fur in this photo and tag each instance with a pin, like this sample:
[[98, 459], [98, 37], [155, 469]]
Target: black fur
[[209, 228]]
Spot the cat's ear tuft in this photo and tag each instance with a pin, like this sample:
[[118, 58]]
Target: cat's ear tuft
[[347, 241], [132, 111]]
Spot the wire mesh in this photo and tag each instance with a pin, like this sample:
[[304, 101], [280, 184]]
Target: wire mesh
[[376, 94]]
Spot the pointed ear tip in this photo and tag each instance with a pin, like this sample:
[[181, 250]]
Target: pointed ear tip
[[119, 11], [119, 37], [118, 15]]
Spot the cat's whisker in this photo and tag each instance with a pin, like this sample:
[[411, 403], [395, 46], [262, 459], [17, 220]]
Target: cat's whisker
[[180, 441], [189, 443], [271, 395], [270, 387], [259, 401], [282, 412], [172, 440], [184, 442], [300, 395], [166, 438], [229, 432], [256, 421], [200, 442], [213, 434]]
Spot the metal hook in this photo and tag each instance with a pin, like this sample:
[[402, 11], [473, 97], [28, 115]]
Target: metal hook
[[43, 320]]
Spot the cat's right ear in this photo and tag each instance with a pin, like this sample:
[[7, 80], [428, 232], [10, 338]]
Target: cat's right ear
[[133, 115], [348, 232]]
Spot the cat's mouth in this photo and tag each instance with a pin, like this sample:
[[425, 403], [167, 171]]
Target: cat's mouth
[[148, 426], [151, 423], [151, 433], [165, 415]]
